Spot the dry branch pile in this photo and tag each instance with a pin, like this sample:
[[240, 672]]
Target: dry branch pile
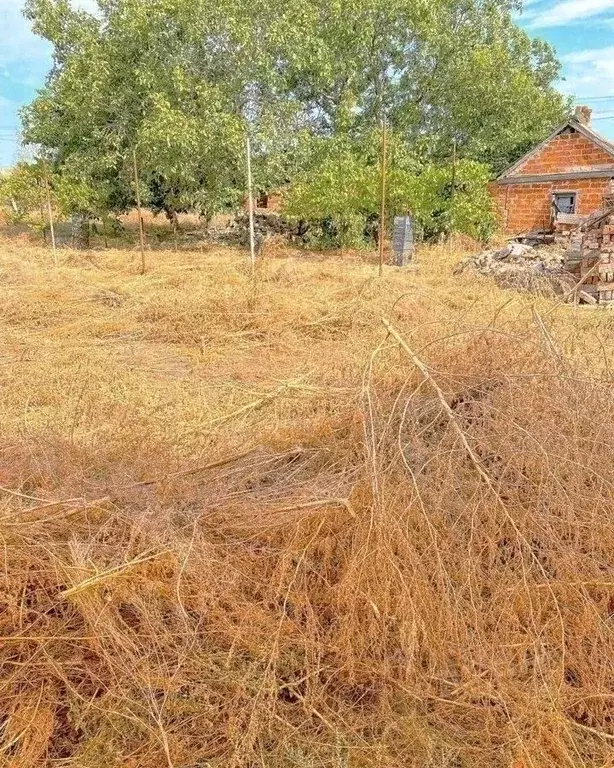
[[253, 526]]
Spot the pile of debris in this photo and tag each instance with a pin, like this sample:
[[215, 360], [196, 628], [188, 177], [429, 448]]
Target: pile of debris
[[266, 226], [535, 269]]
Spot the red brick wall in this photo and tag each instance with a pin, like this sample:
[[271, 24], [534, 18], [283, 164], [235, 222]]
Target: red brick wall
[[527, 206], [566, 152], [274, 203]]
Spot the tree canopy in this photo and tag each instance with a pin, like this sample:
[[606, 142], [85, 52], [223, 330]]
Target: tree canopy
[[181, 81]]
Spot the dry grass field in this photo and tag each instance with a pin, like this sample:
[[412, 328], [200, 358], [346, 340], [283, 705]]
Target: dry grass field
[[243, 524]]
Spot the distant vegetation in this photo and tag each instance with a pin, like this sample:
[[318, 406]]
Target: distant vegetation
[[181, 82]]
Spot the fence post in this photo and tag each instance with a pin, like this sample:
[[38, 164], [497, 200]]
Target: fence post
[[50, 214], [250, 198], [138, 208], [382, 216]]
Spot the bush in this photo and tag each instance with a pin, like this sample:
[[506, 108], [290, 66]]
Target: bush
[[339, 189], [445, 201]]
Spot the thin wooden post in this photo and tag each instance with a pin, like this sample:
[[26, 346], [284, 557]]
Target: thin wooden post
[[453, 166], [453, 192], [382, 217], [44, 226], [50, 215], [138, 208], [250, 198]]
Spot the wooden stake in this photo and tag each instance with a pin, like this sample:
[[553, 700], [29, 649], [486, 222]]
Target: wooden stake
[[453, 192], [50, 215], [453, 166], [382, 217], [138, 208], [250, 199]]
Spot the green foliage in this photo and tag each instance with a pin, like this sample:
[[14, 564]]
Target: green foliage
[[445, 200], [443, 70], [22, 192], [181, 82], [340, 185], [178, 82], [337, 185]]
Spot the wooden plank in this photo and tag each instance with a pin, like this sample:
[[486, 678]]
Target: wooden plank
[[586, 297], [596, 218]]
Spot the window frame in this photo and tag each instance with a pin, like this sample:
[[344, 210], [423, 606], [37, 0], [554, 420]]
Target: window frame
[[573, 193]]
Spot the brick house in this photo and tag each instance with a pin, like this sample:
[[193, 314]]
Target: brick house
[[266, 201], [568, 173]]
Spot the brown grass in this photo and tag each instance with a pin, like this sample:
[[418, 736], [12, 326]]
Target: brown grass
[[243, 523]]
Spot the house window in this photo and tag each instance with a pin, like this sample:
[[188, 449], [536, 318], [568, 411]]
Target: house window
[[565, 202]]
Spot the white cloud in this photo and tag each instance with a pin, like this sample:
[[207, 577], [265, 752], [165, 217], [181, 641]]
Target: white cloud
[[589, 55], [25, 59], [567, 12], [589, 72], [18, 44], [589, 77]]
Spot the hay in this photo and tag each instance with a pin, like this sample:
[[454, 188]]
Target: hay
[[247, 525]]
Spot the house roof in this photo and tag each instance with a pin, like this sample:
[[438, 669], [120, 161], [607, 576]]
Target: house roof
[[576, 125]]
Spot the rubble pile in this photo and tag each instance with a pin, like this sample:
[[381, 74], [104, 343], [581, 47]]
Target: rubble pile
[[536, 269], [590, 257], [266, 225]]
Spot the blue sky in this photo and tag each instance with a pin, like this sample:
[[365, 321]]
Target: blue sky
[[25, 59], [581, 30]]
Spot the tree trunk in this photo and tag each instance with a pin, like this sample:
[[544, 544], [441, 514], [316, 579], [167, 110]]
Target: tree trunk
[[174, 219]]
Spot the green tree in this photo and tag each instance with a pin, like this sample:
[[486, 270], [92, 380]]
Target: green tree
[[336, 187], [442, 71], [22, 193], [30, 187], [443, 199], [181, 81], [339, 189], [168, 78]]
